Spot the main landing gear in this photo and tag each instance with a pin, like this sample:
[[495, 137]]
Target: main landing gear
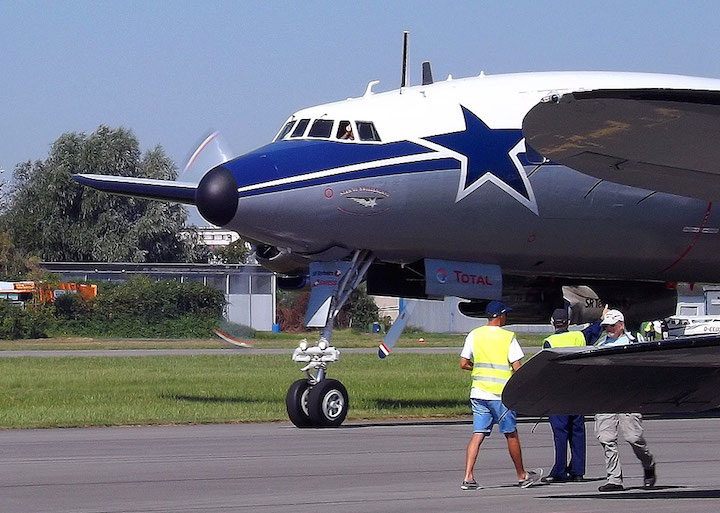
[[317, 401]]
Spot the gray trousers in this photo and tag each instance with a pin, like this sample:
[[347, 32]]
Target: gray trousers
[[606, 431]]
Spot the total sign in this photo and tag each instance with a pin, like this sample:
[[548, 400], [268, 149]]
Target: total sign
[[462, 279]]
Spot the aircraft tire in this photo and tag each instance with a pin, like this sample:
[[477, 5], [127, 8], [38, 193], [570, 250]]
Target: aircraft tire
[[296, 403], [328, 403]]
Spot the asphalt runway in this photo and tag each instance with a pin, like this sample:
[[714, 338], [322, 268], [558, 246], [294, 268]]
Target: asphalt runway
[[361, 467]]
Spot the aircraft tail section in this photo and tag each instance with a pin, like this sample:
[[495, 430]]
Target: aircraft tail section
[[166, 190]]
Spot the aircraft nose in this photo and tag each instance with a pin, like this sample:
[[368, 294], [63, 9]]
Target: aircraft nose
[[216, 196]]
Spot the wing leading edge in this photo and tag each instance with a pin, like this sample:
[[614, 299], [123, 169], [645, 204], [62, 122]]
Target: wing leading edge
[[670, 376], [167, 190], [656, 139]]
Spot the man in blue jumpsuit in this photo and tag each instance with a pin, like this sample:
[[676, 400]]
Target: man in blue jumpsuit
[[568, 429]]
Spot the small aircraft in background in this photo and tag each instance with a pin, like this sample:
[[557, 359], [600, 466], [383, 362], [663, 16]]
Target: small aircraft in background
[[538, 189]]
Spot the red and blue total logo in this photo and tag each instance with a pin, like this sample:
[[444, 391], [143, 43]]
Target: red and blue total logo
[[442, 275]]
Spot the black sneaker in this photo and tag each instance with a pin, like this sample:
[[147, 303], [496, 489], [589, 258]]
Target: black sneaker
[[611, 487], [469, 485], [553, 479], [649, 478], [576, 479]]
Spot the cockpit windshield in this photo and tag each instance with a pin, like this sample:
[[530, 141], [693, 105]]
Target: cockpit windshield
[[300, 128], [367, 131], [321, 128], [285, 130], [345, 130]]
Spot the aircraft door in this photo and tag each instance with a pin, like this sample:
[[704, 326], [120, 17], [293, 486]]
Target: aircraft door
[[712, 303]]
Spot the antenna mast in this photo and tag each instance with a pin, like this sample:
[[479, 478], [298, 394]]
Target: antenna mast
[[404, 78]]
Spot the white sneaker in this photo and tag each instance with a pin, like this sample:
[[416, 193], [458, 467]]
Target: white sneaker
[[533, 477]]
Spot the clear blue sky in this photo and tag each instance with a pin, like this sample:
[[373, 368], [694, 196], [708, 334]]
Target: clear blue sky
[[171, 71]]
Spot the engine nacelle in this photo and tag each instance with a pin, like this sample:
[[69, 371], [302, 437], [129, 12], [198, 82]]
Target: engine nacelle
[[292, 282], [280, 260]]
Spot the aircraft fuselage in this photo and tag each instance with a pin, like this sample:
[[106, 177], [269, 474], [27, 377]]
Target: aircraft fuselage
[[450, 177]]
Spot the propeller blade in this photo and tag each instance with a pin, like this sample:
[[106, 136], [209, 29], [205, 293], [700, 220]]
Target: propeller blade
[[211, 152]]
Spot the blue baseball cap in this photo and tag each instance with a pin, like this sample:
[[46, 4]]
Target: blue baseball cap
[[496, 309]]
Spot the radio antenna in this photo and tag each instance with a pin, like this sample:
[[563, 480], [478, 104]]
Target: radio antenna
[[404, 78]]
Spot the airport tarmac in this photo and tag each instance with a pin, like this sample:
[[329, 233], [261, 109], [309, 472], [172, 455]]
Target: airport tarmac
[[361, 467]]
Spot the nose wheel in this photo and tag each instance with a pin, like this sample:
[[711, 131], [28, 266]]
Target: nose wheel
[[296, 403], [328, 403], [316, 401], [324, 404]]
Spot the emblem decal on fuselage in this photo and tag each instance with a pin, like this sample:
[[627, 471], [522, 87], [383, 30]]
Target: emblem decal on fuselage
[[364, 201], [488, 155]]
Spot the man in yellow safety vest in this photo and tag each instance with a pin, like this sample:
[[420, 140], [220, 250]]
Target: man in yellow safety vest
[[492, 353], [568, 429]]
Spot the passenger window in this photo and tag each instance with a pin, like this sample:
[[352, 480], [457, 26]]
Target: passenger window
[[345, 131], [366, 131], [285, 130], [300, 128], [321, 128]]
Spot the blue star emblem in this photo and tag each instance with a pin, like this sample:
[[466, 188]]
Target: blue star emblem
[[488, 155]]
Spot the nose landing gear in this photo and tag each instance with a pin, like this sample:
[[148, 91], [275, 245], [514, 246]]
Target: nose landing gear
[[317, 401]]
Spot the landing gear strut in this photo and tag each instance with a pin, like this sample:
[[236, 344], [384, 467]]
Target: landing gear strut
[[317, 401]]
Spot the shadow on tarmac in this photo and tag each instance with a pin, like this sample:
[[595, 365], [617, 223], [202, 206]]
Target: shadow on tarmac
[[211, 399], [419, 403], [639, 493]]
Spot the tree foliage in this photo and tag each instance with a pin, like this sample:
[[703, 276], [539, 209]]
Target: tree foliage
[[17, 322], [53, 217], [236, 252], [359, 312], [139, 307]]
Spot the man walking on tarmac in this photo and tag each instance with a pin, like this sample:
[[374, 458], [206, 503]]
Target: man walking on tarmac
[[492, 353], [568, 429], [606, 424]]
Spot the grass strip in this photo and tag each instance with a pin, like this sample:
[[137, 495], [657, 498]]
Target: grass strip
[[104, 391], [341, 338]]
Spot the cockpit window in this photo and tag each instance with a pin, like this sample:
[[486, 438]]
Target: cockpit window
[[300, 128], [366, 131], [285, 130], [345, 131], [321, 128]]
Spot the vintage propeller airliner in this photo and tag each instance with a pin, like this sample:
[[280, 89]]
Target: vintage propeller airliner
[[541, 189]]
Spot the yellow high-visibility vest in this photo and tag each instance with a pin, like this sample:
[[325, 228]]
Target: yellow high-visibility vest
[[567, 339], [491, 368]]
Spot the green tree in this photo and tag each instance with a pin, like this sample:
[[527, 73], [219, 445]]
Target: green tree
[[362, 309], [53, 217], [14, 265], [234, 253]]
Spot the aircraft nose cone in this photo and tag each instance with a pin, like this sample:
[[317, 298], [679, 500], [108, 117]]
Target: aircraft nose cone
[[216, 196]]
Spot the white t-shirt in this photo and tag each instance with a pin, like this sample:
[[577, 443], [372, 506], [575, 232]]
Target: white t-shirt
[[515, 353]]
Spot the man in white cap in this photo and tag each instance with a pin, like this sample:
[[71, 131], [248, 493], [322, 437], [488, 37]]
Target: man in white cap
[[607, 424]]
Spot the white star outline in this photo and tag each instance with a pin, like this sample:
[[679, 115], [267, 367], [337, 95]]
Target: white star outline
[[463, 192]]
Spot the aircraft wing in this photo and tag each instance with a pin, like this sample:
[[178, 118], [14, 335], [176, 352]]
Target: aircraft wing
[[656, 139], [669, 376], [168, 190]]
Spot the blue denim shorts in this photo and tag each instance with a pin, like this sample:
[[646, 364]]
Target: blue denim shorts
[[487, 413]]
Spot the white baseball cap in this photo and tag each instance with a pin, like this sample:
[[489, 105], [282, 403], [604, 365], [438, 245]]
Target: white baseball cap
[[612, 317]]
